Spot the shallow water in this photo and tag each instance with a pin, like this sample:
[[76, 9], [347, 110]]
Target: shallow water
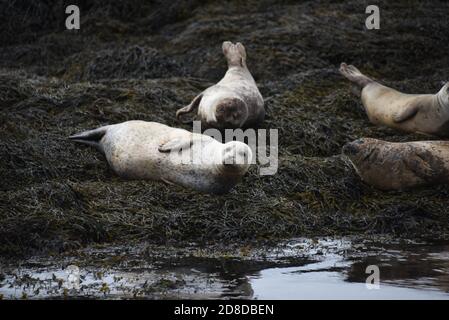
[[297, 269]]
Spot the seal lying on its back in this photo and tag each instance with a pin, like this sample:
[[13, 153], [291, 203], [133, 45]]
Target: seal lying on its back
[[150, 150], [235, 101], [420, 113], [395, 166]]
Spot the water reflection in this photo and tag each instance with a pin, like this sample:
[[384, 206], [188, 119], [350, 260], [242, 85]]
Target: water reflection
[[413, 266], [297, 269]]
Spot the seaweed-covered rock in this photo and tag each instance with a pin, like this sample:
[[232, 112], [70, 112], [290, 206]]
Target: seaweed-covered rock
[[144, 60], [133, 62]]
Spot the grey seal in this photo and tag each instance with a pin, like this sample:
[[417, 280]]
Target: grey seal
[[419, 113], [399, 165]]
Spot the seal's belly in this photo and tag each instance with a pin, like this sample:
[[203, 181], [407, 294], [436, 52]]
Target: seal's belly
[[199, 177], [155, 165], [134, 162], [381, 104]]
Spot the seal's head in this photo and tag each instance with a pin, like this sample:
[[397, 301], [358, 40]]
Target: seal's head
[[231, 113], [363, 155], [443, 95], [360, 150], [231, 162], [235, 54], [236, 157]]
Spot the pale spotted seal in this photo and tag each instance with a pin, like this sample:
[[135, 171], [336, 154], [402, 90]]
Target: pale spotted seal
[[150, 150], [235, 101]]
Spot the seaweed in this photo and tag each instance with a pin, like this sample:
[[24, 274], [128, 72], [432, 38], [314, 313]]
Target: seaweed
[[144, 60]]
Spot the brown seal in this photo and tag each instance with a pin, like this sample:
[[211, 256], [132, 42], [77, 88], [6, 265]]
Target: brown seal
[[235, 101], [395, 166], [421, 113], [153, 151]]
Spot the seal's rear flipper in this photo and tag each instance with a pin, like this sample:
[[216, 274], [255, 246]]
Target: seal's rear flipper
[[353, 74], [90, 137], [187, 109], [234, 53]]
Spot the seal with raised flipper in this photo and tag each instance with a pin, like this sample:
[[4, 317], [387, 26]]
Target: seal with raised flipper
[[419, 113], [399, 165], [235, 101], [154, 151]]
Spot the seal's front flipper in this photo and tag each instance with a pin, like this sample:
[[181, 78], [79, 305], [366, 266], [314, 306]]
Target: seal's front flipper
[[420, 164], [406, 114], [187, 109], [176, 144], [353, 74]]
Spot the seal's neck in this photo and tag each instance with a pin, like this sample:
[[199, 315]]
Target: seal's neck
[[237, 63], [443, 96], [240, 72]]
